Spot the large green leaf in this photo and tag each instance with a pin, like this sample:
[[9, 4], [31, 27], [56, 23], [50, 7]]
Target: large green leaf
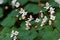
[[32, 8], [10, 19]]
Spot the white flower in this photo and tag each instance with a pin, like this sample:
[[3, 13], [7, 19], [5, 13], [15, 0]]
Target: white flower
[[52, 17], [14, 38], [31, 18], [22, 11], [42, 24], [13, 2], [36, 26], [6, 7], [28, 27], [52, 10], [41, 11], [45, 19], [41, 14], [50, 22], [37, 20], [27, 23], [17, 4], [47, 5], [58, 39], [19, 18], [17, 15], [14, 33], [1, 1], [23, 17]]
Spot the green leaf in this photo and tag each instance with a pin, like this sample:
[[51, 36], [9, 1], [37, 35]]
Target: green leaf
[[33, 23], [5, 33], [57, 15], [8, 22], [34, 0], [23, 26], [52, 35], [32, 8], [5, 30], [48, 28], [45, 28], [22, 2], [57, 21], [13, 13], [43, 9], [1, 12], [10, 19], [27, 35], [57, 25], [7, 37]]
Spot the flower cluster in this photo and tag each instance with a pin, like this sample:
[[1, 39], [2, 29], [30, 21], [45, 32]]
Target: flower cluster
[[27, 25], [22, 13], [37, 20], [14, 34], [27, 22], [52, 17]]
